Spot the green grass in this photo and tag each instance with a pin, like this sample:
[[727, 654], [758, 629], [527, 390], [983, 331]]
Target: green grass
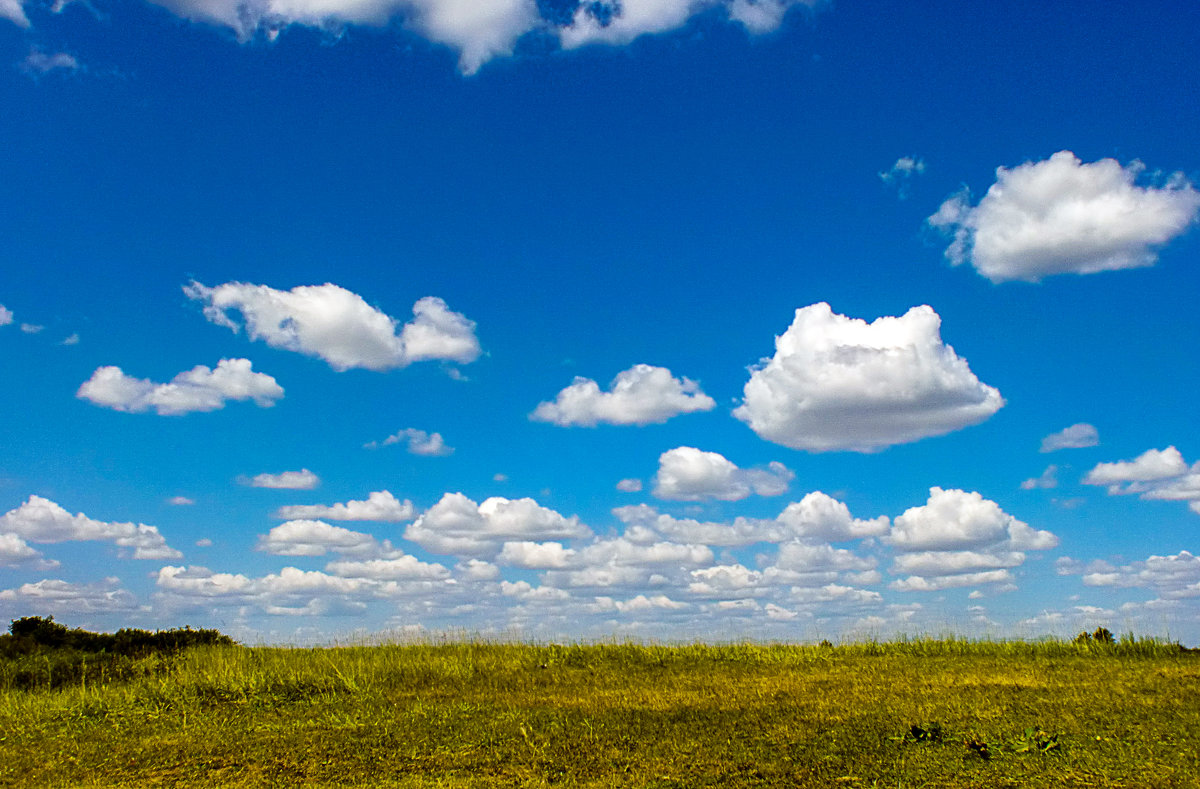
[[918, 713]]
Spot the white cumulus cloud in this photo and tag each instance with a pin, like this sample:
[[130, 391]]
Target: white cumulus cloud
[[641, 395], [380, 505], [839, 383], [821, 517], [199, 389], [1157, 474], [43, 521], [458, 526], [690, 474], [953, 520], [629, 485], [1150, 466], [339, 326], [1077, 436], [286, 480], [959, 538], [1061, 215], [315, 538]]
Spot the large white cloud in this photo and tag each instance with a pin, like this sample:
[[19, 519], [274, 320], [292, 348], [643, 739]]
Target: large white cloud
[[339, 326], [1061, 216], [641, 395], [690, 474], [43, 521], [458, 526], [380, 505], [199, 389], [839, 383]]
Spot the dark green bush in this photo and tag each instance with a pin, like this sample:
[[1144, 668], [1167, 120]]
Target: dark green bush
[[39, 652]]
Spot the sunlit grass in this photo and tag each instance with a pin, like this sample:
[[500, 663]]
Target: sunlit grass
[[1046, 713]]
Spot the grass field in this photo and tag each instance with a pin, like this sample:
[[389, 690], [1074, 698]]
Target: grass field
[[920, 713]]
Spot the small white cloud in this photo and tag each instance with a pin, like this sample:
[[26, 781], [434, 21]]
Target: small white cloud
[[38, 62], [31, 328], [839, 383], [690, 474], [629, 485], [902, 172], [395, 568], [198, 389], [72, 339], [535, 555], [1077, 436], [499, 477], [315, 538], [6, 316], [1048, 479], [180, 501], [379, 505], [339, 326], [287, 480], [1061, 216], [418, 442], [42, 520], [641, 395], [612, 22], [204, 542]]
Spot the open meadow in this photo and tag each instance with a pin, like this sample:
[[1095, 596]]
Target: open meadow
[[914, 713]]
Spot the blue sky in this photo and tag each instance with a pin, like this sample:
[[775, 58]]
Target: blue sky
[[424, 315]]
